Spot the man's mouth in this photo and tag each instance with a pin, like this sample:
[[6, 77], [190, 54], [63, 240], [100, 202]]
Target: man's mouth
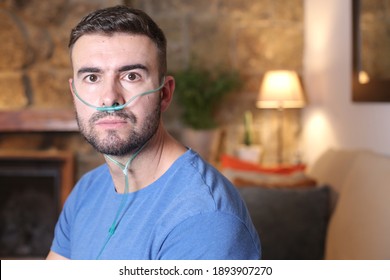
[[111, 122]]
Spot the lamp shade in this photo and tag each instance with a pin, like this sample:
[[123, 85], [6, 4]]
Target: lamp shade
[[280, 89]]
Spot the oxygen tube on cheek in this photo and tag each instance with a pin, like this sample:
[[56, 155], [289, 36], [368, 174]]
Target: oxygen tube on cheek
[[118, 107]]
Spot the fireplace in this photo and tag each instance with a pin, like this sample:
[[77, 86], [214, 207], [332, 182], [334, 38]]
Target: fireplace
[[33, 188]]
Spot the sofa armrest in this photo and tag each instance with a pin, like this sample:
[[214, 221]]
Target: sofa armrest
[[360, 225]]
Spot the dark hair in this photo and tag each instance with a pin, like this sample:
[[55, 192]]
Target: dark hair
[[126, 20]]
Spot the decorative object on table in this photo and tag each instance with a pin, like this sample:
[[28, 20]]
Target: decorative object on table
[[248, 151], [199, 93], [280, 89]]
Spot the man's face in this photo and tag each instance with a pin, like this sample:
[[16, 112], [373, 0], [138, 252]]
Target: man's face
[[110, 70]]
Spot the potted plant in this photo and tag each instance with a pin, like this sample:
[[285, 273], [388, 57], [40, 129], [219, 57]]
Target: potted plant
[[199, 93], [248, 151]]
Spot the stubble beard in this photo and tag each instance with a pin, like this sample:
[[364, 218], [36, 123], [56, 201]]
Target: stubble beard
[[113, 144]]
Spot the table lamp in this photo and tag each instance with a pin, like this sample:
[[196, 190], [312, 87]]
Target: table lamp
[[280, 89]]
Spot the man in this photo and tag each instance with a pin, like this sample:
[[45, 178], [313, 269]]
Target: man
[[154, 198]]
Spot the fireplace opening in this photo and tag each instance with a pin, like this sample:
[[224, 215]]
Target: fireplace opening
[[33, 188]]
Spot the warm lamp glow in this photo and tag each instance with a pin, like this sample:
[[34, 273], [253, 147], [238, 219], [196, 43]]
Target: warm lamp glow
[[281, 89], [363, 77]]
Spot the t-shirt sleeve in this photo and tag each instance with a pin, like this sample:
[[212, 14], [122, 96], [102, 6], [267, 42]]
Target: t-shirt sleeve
[[62, 231], [211, 236]]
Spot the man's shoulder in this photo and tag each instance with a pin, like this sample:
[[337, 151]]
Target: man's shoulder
[[195, 165], [201, 185]]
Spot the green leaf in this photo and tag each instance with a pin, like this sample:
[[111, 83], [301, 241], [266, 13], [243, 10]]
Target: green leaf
[[199, 92]]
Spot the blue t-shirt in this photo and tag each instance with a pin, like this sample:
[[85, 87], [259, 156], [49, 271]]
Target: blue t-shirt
[[190, 212]]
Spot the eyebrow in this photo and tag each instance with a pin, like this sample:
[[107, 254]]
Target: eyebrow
[[121, 69], [132, 67], [88, 70]]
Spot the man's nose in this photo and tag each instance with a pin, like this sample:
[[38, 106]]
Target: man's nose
[[112, 94]]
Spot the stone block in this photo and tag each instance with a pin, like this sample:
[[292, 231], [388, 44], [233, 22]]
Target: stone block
[[14, 51], [269, 46], [13, 92], [290, 10], [167, 7], [175, 29], [51, 87], [210, 41], [245, 10], [43, 13], [60, 34], [40, 43]]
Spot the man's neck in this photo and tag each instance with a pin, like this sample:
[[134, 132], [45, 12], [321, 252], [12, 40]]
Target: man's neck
[[148, 165]]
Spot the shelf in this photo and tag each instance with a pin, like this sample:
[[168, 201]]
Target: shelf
[[42, 120]]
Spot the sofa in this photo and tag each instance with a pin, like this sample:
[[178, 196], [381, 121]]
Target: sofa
[[336, 208]]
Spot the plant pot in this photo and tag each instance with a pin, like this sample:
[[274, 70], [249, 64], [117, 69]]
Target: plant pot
[[250, 153], [204, 142]]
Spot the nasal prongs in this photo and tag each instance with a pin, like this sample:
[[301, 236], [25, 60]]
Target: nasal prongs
[[110, 109]]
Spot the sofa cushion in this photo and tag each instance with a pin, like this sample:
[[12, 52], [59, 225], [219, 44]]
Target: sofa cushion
[[360, 225], [291, 223]]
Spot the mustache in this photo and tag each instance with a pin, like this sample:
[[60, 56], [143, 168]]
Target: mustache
[[120, 114]]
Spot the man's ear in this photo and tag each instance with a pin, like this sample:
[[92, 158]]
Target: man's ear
[[167, 92], [70, 86]]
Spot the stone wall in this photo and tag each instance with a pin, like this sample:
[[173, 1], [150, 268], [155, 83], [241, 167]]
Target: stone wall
[[251, 36]]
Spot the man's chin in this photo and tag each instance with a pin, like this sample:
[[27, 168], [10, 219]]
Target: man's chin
[[109, 143], [111, 150]]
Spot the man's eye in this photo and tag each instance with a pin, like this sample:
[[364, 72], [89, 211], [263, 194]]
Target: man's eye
[[132, 76], [92, 78]]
